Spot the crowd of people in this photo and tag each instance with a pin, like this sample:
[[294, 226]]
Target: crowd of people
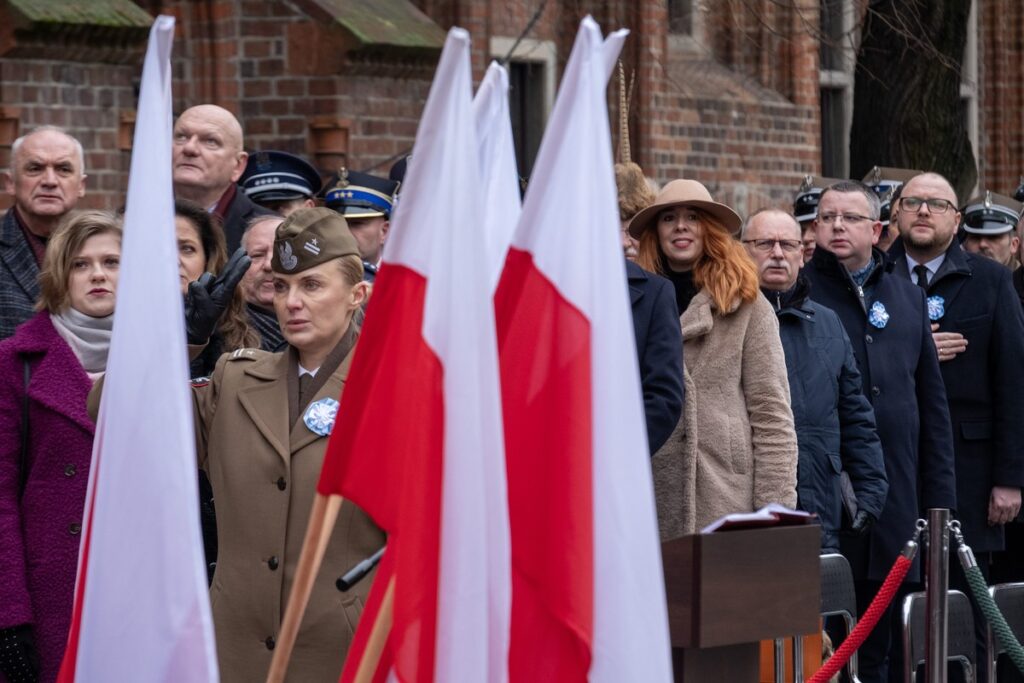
[[853, 355]]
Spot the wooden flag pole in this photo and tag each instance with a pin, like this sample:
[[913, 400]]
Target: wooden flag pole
[[318, 533], [378, 636]]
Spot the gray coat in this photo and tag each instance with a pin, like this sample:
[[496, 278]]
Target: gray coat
[[19, 276]]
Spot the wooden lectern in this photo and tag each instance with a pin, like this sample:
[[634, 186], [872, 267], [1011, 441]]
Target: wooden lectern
[[729, 590]]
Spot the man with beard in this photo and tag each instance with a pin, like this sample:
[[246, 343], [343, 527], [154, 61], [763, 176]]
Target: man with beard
[[886, 320], [257, 285], [835, 425], [978, 326]]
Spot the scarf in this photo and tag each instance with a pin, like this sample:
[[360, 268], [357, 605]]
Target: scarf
[[88, 337]]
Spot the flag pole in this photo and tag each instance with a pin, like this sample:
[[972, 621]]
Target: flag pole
[[378, 636], [318, 532]]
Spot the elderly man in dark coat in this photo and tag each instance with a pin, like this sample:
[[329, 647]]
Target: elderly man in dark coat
[[659, 349], [835, 425], [46, 180], [886, 319]]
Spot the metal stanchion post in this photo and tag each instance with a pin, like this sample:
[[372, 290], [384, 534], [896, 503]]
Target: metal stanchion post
[[780, 660], [937, 596]]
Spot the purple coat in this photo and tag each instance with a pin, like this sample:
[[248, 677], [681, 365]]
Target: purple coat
[[39, 537]]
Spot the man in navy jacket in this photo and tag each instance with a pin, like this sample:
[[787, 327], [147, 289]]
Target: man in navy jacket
[[886, 319], [835, 425]]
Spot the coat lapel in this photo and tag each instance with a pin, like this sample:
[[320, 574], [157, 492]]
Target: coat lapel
[[951, 276], [301, 435], [18, 256], [266, 400]]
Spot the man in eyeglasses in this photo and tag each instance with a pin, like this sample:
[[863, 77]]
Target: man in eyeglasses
[[978, 325], [886, 320], [835, 425]]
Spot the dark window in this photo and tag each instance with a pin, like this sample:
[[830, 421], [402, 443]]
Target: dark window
[[832, 133], [680, 16], [526, 105], [831, 42]]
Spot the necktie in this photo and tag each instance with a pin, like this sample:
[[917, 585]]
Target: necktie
[[305, 380], [922, 276]]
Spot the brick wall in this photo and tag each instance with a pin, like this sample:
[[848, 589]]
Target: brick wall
[[1001, 94]]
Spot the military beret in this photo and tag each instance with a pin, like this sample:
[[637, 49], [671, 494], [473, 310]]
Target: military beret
[[277, 177], [361, 195], [310, 237], [991, 214]]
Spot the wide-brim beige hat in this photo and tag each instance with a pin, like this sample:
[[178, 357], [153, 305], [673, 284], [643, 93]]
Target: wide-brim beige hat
[[685, 193]]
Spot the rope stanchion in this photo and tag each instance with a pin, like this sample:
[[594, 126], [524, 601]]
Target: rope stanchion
[[874, 612], [979, 589]]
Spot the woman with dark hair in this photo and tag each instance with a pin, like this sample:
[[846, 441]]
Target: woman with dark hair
[[46, 371], [201, 249], [735, 448]]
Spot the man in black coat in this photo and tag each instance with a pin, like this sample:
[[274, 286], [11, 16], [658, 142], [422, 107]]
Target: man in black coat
[[659, 350], [835, 425], [208, 158], [978, 329], [886, 319]]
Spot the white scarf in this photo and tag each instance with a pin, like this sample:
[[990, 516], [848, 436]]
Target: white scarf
[[87, 336]]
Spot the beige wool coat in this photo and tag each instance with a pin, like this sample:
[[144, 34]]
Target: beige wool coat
[[734, 449], [264, 474]]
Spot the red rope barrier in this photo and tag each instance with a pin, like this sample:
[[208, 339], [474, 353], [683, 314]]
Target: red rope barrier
[[860, 632]]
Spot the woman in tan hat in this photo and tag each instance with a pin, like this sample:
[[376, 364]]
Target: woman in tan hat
[[734, 449]]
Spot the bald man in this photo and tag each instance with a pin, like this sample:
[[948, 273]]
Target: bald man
[[46, 179], [208, 159]]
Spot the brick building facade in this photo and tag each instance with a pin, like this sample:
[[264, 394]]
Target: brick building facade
[[744, 99]]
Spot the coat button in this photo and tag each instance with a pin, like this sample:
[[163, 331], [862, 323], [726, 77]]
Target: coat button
[[273, 563], [875, 391], [868, 338], [281, 484], [74, 528], [69, 471], [269, 642]]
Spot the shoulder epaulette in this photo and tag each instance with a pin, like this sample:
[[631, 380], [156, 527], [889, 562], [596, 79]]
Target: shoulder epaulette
[[245, 354]]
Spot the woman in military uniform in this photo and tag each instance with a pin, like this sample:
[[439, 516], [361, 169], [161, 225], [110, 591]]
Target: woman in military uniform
[[262, 423]]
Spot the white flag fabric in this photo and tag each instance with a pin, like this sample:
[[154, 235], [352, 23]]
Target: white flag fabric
[[142, 609], [440, 436], [588, 590], [499, 177]]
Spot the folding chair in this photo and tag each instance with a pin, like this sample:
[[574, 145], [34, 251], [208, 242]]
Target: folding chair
[[838, 599], [1009, 598], [960, 643]]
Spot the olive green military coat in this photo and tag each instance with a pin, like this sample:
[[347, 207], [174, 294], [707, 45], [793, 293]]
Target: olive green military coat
[[264, 474]]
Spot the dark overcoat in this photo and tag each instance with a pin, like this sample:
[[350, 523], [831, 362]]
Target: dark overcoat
[[19, 276], [239, 213], [900, 376], [835, 425], [983, 383], [659, 350], [40, 536]]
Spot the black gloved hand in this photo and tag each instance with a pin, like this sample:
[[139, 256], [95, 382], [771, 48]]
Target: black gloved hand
[[18, 659], [207, 298], [862, 523]]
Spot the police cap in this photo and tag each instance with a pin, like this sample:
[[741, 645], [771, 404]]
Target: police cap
[[277, 177], [361, 195], [805, 206], [991, 214], [310, 237]]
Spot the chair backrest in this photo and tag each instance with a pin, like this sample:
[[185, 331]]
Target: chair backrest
[[1009, 598], [960, 634], [837, 592], [839, 599]]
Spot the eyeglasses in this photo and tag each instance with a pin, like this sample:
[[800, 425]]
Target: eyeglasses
[[830, 218], [911, 204], [788, 246]]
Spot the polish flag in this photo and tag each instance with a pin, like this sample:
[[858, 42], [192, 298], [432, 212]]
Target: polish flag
[[141, 609], [588, 598], [418, 440]]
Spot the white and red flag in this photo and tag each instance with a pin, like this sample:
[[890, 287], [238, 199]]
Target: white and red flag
[[141, 609], [418, 439], [588, 597]]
